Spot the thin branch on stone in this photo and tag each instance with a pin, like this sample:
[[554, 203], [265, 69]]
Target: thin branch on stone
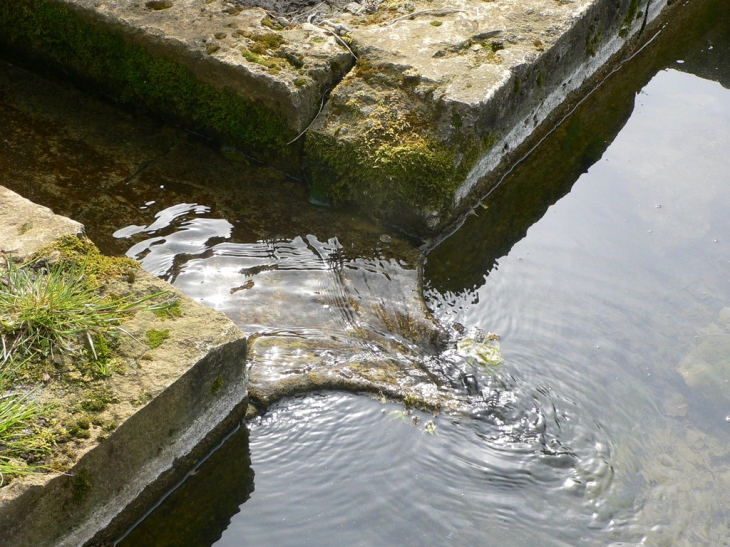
[[439, 11], [340, 40], [324, 96]]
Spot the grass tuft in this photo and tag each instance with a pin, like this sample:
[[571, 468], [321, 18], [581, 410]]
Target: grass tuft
[[50, 314]]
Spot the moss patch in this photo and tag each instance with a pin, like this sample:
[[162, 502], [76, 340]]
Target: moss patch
[[390, 160], [98, 268], [155, 338], [128, 71], [81, 485]]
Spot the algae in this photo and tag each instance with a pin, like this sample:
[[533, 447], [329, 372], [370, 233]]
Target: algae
[[41, 29], [81, 485]]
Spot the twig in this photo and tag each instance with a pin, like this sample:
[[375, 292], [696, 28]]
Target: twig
[[337, 27], [312, 122], [130, 335], [340, 40], [308, 12], [441, 11], [91, 345]]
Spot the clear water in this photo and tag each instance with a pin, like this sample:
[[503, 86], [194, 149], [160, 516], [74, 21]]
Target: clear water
[[603, 263]]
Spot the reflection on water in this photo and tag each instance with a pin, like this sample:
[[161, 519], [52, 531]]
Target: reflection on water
[[197, 514], [343, 470], [618, 298]]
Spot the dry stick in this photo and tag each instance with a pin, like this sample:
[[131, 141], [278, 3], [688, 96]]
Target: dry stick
[[340, 40], [441, 11], [312, 122], [130, 335], [308, 12]]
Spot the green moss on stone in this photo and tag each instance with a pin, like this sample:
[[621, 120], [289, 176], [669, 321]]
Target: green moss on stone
[[155, 338], [216, 385], [416, 172], [127, 70], [629, 18], [81, 485]]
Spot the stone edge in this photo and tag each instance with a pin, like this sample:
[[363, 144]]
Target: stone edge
[[114, 484]]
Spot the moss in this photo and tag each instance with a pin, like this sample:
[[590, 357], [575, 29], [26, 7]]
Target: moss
[[265, 41], [79, 429], [436, 23], [414, 171], [170, 312], [593, 40], [155, 338], [631, 15], [96, 400], [81, 485], [77, 251], [300, 82], [390, 162], [395, 167], [258, 59], [135, 75], [270, 23], [216, 385]]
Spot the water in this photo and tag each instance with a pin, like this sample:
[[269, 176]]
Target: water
[[602, 262]]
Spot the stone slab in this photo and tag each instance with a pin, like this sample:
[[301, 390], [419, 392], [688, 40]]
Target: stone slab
[[25, 228], [227, 70], [442, 94], [172, 405]]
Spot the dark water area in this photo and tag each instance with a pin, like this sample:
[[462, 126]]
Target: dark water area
[[197, 515], [602, 261]]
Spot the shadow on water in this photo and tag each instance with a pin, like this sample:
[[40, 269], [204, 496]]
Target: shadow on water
[[461, 262], [197, 513]]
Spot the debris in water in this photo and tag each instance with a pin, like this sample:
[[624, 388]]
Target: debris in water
[[485, 353]]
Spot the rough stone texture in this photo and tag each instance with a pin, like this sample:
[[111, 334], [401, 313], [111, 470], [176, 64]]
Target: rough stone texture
[[438, 98], [173, 404], [25, 227], [443, 94], [261, 85]]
